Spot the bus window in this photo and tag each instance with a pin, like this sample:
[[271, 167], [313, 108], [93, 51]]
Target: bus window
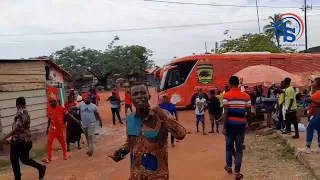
[[176, 76]]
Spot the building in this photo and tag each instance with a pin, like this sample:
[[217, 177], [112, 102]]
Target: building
[[86, 80], [28, 78], [313, 50], [150, 75]]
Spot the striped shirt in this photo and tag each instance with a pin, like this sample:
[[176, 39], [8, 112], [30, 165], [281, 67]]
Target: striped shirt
[[238, 102]]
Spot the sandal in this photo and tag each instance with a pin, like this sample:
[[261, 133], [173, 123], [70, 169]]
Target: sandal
[[229, 170], [238, 176], [46, 160]]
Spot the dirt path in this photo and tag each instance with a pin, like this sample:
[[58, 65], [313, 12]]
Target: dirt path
[[196, 157]]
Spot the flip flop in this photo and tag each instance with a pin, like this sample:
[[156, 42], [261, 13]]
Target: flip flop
[[46, 160]]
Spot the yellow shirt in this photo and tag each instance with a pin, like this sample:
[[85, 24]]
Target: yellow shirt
[[290, 94], [220, 97], [281, 98]]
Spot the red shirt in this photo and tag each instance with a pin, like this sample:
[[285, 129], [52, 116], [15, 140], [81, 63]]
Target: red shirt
[[67, 104], [117, 93], [127, 99], [56, 117]]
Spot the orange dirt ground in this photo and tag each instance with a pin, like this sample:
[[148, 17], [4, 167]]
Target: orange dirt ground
[[195, 157]]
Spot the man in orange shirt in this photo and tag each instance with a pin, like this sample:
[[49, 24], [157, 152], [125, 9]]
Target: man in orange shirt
[[56, 126], [314, 118]]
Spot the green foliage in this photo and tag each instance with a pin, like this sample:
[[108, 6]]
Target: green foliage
[[252, 43], [124, 60]]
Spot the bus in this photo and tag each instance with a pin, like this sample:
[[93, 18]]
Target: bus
[[182, 78]]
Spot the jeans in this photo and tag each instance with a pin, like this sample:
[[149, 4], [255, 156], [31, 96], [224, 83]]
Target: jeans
[[291, 118], [231, 139], [20, 151], [314, 124], [89, 133]]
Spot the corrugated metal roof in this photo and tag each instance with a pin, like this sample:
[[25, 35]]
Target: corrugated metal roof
[[49, 61], [152, 69]]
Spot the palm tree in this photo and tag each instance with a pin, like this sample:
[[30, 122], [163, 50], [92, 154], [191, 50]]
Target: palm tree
[[270, 29]]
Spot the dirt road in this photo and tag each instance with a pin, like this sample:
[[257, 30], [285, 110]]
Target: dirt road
[[196, 157]]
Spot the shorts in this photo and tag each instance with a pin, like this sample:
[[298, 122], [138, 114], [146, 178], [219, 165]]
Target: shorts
[[214, 116], [200, 118]]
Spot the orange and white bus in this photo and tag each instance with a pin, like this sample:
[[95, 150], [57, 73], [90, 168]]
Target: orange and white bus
[[182, 78]]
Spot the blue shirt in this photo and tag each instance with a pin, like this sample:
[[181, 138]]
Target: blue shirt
[[169, 107]]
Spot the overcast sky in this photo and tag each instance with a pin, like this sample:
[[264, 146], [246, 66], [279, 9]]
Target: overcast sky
[[49, 16]]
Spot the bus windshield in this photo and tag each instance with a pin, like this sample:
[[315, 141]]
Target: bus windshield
[[176, 76]]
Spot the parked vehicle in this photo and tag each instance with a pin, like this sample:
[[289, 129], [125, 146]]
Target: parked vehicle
[[182, 78]]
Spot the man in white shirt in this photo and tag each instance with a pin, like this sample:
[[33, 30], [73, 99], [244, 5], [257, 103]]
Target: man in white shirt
[[200, 105]]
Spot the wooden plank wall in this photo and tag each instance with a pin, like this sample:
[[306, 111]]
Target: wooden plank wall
[[27, 79], [36, 104], [21, 76]]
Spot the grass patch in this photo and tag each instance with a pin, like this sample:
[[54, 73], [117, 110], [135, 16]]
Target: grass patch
[[38, 150], [282, 149], [4, 162], [37, 153], [270, 157]]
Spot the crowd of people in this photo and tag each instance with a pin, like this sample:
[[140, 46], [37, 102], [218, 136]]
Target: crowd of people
[[147, 128]]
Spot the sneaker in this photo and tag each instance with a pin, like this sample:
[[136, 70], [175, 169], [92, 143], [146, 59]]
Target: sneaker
[[316, 150], [42, 172], [305, 150]]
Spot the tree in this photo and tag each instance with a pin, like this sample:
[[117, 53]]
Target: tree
[[132, 59], [69, 58], [124, 60], [252, 43], [270, 28]]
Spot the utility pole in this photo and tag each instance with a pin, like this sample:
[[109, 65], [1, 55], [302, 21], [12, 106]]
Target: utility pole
[[205, 46], [304, 9], [216, 48], [258, 16]]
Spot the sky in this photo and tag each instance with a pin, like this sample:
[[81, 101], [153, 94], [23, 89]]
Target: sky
[[28, 27]]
